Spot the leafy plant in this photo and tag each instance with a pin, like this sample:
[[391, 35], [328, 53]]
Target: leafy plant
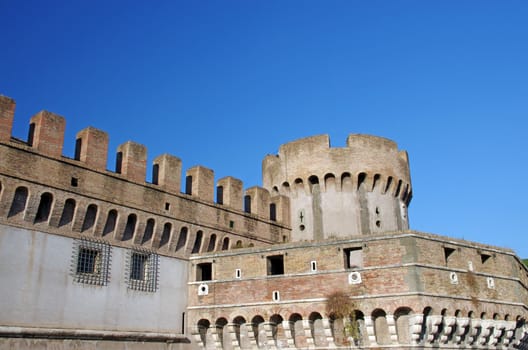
[[341, 306]]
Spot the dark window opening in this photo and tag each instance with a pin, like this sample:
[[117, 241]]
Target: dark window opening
[[204, 272], [188, 185], [167, 206], [130, 227], [149, 231], [138, 266], [197, 242], [484, 257], [31, 134], [44, 208], [74, 182], [448, 252], [275, 265], [212, 243], [88, 260], [119, 162], [111, 222], [78, 145], [353, 257], [225, 244], [89, 217], [220, 194], [361, 179], [273, 212], [231, 224], [247, 204], [165, 237], [155, 174], [67, 212], [182, 240], [19, 201]]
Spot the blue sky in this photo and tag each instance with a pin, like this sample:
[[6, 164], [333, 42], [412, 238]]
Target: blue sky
[[223, 83]]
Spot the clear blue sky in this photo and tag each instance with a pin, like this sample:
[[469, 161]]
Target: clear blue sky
[[223, 83]]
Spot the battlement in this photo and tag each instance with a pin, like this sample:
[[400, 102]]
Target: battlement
[[99, 201], [367, 182]]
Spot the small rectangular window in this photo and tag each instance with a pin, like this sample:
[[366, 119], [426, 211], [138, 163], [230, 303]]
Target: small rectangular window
[[142, 270], [447, 253], [276, 295], [238, 273], [138, 266], [313, 266], [484, 257], [275, 265], [353, 257], [204, 272], [91, 262]]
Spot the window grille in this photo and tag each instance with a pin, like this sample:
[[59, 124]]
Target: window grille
[[91, 262], [142, 270]]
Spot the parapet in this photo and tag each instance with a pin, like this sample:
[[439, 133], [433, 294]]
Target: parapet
[[257, 201], [46, 138], [309, 160], [229, 192], [7, 113], [46, 133]]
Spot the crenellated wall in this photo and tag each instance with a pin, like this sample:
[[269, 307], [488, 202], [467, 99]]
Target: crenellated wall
[[121, 206], [360, 189]]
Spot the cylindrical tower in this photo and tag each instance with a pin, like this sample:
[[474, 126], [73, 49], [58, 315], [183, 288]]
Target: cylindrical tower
[[360, 189]]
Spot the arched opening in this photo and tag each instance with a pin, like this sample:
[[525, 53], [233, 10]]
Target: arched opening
[[241, 333], [203, 326], [197, 242], [44, 208], [317, 329], [130, 227], [111, 222], [220, 328], [362, 177], [398, 189], [285, 188], [381, 327], [297, 330], [299, 186], [19, 202], [182, 239], [165, 236], [276, 327], [238, 244], [427, 311], [401, 316], [225, 243], [256, 322], [275, 191], [212, 243], [346, 182], [329, 180], [388, 185], [89, 217], [376, 181], [67, 212], [314, 182], [149, 231], [188, 184]]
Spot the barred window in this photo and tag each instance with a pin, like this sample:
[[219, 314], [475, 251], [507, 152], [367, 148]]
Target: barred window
[[91, 262], [142, 271]]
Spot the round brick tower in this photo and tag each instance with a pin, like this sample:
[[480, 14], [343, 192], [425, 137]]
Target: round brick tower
[[363, 188]]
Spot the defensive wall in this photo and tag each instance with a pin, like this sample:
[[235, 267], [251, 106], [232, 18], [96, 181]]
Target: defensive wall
[[93, 258], [363, 188], [408, 289], [39, 186]]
